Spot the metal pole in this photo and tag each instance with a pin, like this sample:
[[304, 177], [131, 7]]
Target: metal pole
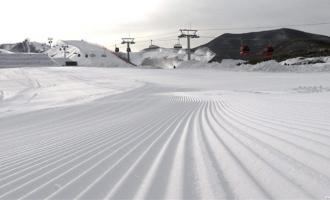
[[128, 41], [64, 48], [128, 57], [189, 52], [64, 54], [189, 34]]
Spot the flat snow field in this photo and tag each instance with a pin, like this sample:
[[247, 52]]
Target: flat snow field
[[100, 133]]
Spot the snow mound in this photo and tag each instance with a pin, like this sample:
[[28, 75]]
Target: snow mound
[[306, 61], [86, 54], [168, 58]]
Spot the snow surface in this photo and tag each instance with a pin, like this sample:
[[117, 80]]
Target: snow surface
[[23, 89], [167, 134], [86, 54]]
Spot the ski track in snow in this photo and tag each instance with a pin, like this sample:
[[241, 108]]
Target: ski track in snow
[[160, 141]]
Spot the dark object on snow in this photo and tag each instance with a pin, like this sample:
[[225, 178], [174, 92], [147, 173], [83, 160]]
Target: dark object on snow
[[117, 50], [71, 63], [86, 56]]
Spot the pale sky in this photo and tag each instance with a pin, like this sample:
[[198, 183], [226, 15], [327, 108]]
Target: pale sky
[[106, 21]]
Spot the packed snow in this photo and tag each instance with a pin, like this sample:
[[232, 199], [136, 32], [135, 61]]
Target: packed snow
[[24, 90], [202, 133]]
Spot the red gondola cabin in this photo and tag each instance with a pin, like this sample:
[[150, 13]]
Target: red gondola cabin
[[244, 50]]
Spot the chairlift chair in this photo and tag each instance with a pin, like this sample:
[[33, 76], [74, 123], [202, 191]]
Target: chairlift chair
[[178, 45]]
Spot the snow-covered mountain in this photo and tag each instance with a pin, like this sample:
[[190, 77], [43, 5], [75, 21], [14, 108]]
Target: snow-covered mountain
[[85, 54]]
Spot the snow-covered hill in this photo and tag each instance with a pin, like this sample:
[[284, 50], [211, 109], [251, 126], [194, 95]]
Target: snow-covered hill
[[86, 54], [168, 58]]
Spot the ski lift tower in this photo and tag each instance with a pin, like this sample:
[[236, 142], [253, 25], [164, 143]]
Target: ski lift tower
[[128, 41], [189, 34], [65, 47]]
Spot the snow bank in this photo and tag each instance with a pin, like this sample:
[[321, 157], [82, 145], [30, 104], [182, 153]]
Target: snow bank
[[268, 66]]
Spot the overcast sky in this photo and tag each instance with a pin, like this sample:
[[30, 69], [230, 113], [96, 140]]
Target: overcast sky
[[106, 21]]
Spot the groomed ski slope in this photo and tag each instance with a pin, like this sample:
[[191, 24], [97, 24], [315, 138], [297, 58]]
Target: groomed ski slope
[[165, 134]]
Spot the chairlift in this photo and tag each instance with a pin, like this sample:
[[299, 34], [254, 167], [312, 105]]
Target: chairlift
[[178, 45]]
